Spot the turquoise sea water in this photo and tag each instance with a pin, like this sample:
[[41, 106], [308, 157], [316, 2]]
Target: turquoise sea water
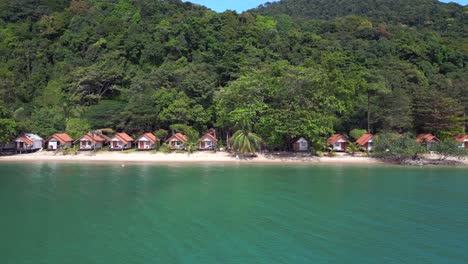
[[86, 213]]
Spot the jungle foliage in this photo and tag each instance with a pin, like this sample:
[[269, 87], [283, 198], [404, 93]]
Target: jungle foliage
[[293, 68]]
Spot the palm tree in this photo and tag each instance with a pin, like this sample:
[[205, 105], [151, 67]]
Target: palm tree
[[353, 148], [244, 141]]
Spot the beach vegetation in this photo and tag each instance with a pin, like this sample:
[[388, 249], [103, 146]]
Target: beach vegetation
[[352, 148], [397, 147], [448, 148], [165, 148]]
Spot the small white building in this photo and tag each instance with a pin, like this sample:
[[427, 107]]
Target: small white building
[[338, 142], [146, 141], [462, 140], [121, 141], [90, 142], [59, 141], [29, 142], [177, 141], [208, 141], [301, 145]]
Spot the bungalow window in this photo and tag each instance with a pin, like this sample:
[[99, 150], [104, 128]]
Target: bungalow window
[[209, 143], [337, 145], [303, 144], [178, 143]]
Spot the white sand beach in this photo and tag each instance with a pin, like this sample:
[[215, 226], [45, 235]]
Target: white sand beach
[[198, 157]]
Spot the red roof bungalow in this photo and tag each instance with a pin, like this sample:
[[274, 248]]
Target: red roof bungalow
[[29, 142], [208, 141], [463, 140], [121, 141], [426, 139], [91, 141], [146, 141], [58, 141], [366, 142], [338, 142], [177, 141]]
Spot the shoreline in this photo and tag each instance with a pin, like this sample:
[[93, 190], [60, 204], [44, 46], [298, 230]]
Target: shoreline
[[195, 158], [198, 157]]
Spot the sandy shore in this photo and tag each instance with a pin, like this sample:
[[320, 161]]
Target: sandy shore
[[198, 157]]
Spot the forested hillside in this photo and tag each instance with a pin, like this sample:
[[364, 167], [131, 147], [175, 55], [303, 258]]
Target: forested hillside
[[294, 68]]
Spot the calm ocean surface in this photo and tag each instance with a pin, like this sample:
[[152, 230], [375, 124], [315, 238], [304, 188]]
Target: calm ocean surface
[[64, 213]]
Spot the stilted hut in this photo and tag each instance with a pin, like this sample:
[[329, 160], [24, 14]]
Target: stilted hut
[[29, 143]]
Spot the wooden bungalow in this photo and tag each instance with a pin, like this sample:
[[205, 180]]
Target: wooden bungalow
[[427, 139], [463, 140], [121, 141], [208, 141], [301, 145], [365, 142], [146, 141], [91, 142], [59, 141], [177, 141], [29, 143], [338, 142]]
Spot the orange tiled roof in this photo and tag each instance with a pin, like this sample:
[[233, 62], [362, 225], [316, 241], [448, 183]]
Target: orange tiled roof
[[179, 137], [364, 139], [124, 137], [96, 138], [25, 139], [152, 138], [210, 137], [427, 138], [62, 137], [335, 138], [461, 138]]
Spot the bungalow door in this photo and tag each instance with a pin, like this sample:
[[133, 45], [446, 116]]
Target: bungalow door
[[115, 144], [142, 145], [83, 144]]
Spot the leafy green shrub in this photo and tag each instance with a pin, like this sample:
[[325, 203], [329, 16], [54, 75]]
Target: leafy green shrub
[[165, 148], [319, 153], [352, 148], [396, 147], [448, 148], [357, 133], [161, 134]]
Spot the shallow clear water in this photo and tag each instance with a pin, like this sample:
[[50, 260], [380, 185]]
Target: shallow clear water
[[64, 213]]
